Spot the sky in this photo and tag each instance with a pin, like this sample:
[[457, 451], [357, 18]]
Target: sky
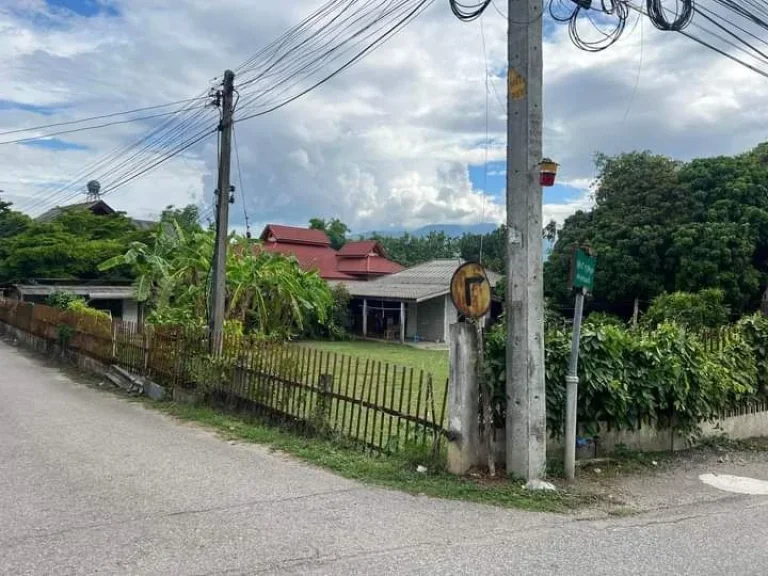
[[399, 140]]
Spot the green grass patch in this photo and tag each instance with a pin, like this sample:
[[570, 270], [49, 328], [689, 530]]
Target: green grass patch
[[432, 361], [397, 472], [391, 375]]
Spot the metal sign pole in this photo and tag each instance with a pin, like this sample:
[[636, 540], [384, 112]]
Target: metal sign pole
[[572, 389]]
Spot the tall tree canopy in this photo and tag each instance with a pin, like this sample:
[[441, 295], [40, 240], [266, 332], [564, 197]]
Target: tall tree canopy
[[409, 250], [659, 225], [187, 218], [334, 228], [70, 247]]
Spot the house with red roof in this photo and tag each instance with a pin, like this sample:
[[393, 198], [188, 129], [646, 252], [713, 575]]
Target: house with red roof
[[357, 260]]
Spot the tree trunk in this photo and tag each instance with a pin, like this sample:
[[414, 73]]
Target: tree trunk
[[635, 311]]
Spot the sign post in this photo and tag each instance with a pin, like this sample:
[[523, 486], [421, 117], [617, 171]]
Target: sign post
[[471, 294], [582, 277]]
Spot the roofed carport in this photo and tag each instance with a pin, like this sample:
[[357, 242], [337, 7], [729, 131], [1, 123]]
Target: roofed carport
[[423, 294]]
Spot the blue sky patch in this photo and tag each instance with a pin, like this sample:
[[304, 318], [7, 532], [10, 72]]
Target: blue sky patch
[[54, 144], [87, 8], [497, 182], [14, 105]]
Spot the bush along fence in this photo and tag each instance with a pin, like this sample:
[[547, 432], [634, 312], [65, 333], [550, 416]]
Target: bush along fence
[[382, 407], [665, 378]]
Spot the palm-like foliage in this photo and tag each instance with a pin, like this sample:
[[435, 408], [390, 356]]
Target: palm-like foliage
[[267, 293]]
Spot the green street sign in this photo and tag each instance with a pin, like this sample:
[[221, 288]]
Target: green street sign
[[583, 274]]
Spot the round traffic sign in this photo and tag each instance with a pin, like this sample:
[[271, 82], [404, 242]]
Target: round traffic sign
[[470, 290]]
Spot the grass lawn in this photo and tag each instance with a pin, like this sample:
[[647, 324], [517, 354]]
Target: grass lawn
[[391, 390], [433, 361]]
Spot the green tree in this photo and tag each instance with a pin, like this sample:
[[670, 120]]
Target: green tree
[[11, 221], [335, 229], [705, 309], [409, 250], [659, 225], [187, 218], [70, 247], [487, 248]]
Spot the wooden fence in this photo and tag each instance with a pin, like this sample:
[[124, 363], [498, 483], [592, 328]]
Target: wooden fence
[[380, 405]]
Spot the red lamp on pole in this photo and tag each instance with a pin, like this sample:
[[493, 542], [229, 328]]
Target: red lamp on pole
[[547, 172]]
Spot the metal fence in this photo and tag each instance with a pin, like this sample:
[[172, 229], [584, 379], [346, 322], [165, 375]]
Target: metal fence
[[382, 406]]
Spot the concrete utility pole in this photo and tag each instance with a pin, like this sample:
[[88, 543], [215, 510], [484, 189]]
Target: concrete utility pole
[[219, 284], [526, 406]]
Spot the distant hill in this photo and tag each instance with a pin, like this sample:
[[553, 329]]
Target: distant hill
[[454, 230]]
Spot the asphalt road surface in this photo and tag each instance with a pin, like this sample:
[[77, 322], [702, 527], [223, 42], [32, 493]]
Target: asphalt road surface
[[93, 484]]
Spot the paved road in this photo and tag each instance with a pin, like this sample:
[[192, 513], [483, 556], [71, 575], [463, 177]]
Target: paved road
[[90, 483]]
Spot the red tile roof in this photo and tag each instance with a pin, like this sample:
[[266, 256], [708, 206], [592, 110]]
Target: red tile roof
[[361, 248], [373, 265], [313, 251], [295, 235], [319, 258]]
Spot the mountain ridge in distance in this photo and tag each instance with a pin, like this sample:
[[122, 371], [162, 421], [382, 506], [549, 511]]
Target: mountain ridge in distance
[[453, 230]]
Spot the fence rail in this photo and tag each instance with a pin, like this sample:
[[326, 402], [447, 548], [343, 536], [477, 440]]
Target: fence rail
[[380, 405]]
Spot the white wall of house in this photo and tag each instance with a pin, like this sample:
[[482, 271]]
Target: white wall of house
[[430, 319], [130, 311]]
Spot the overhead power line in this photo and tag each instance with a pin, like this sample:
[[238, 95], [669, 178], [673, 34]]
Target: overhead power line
[[240, 182], [306, 56], [334, 38], [151, 145], [99, 117], [85, 128]]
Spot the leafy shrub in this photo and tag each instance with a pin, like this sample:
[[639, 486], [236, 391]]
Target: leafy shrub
[[699, 310], [83, 317], [754, 330], [338, 323], [77, 304], [62, 300], [627, 377]]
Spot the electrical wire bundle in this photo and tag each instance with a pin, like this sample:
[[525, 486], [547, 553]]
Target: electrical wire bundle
[[736, 29], [468, 12], [326, 43], [608, 19], [657, 13]]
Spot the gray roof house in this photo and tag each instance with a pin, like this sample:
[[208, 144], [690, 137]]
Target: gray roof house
[[119, 300], [414, 304]]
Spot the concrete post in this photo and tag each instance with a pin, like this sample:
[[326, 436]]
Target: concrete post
[[365, 317], [524, 303], [402, 322], [464, 446]]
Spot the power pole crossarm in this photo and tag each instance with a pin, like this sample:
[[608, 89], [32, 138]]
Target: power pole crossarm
[[526, 406], [219, 284]]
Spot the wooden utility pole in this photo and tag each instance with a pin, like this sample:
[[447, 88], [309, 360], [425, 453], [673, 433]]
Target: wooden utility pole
[[219, 283], [526, 407]]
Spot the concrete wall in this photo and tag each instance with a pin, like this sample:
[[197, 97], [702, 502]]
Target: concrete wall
[[431, 320], [130, 311], [748, 422]]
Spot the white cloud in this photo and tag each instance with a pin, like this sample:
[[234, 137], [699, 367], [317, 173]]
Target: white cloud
[[386, 143]]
